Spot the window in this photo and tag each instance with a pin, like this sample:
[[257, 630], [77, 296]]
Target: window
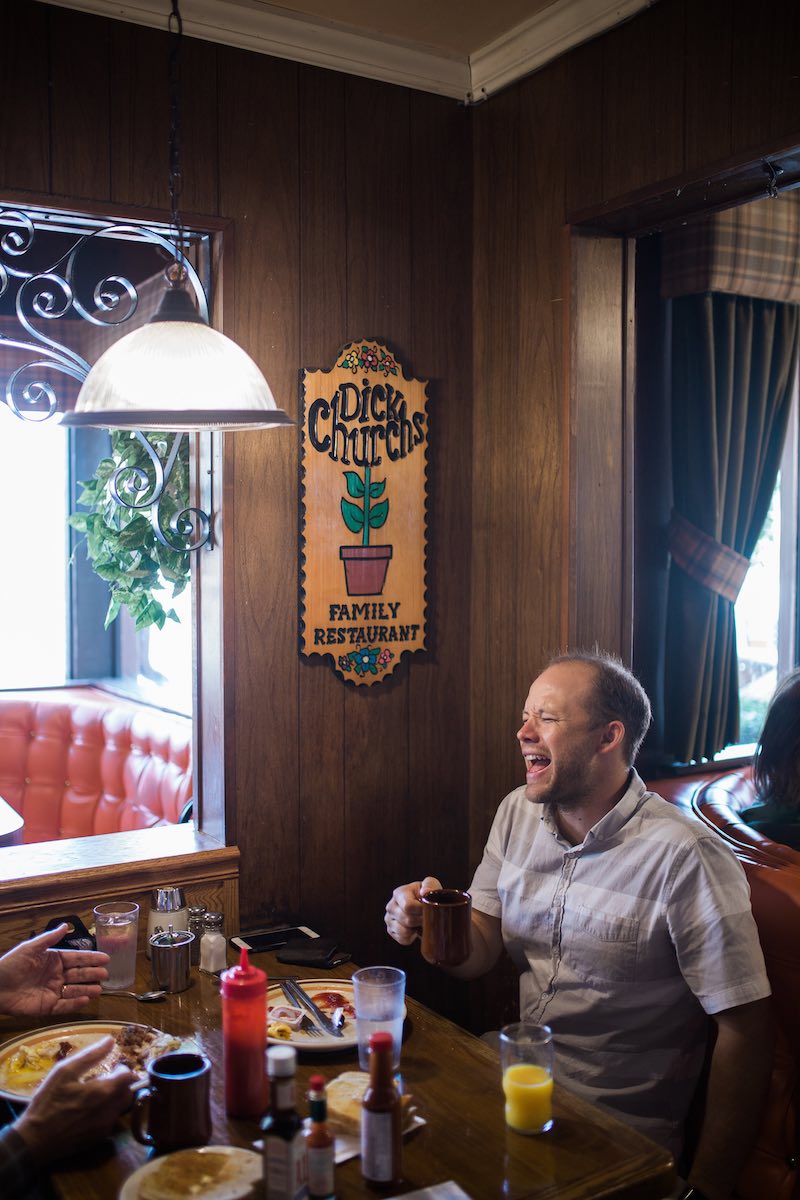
[[52, 605], [766, 608]]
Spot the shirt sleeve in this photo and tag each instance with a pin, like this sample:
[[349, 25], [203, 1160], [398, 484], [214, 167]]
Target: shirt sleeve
[[483, 889], [19, 1175], [712, 927]]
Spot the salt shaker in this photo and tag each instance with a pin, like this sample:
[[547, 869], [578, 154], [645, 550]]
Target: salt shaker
[[167, 907], [213, 950], [196, 914]]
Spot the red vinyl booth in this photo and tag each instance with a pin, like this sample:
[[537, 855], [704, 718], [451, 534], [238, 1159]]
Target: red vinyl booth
[[72, 766], [773, 872]]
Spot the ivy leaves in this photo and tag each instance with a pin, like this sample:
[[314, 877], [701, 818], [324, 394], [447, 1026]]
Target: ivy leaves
[[121, 543]]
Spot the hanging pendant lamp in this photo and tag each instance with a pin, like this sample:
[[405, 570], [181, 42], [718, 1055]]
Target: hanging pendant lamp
[[175, 372]]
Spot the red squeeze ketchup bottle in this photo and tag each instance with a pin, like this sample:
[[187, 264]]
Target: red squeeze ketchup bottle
[[244, 1039]]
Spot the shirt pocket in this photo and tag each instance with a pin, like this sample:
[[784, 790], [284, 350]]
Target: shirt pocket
[[599, 948]]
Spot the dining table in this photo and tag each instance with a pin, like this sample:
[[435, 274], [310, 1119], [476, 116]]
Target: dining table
[[452, 1076]]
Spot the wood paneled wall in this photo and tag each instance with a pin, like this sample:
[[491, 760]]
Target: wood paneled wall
[[359, 208], [351, 209]]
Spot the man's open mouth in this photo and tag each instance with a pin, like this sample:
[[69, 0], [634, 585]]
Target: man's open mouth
[[535, 764]]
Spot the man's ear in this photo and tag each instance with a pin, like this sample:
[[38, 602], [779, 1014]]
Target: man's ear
[[612, 737]]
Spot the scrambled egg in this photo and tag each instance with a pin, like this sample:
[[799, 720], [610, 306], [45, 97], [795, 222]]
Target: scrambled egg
[[277, 1029]]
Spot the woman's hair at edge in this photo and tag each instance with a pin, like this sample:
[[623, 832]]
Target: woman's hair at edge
[[617, 695], [776, 765]]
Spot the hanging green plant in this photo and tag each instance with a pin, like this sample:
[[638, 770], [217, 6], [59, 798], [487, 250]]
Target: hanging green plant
[[121, 543]]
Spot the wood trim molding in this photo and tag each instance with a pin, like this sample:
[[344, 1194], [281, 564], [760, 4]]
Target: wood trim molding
[[341, 47]]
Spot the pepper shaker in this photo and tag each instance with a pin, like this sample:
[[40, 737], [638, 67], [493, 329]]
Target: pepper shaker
[[196, 914]]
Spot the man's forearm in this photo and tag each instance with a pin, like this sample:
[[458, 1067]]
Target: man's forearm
[[741, 1066]]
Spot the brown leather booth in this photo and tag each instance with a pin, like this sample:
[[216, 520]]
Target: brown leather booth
[[79, 762], [773, 871]]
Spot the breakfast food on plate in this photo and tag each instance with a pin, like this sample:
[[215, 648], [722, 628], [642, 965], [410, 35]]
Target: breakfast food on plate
[[329, 1001], [24, 1068], [207, 1172], [278, 1029], [344, 1094]]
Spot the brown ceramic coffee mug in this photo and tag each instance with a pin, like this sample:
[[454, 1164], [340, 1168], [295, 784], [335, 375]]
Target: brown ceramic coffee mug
[[446, 926], [172, 1111]]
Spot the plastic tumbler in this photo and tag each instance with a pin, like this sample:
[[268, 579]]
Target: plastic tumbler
[[379, 996], [526, 1059], [116, 927]]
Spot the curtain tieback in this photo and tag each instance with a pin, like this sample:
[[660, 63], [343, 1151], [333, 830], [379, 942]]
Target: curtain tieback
[[705, 560]]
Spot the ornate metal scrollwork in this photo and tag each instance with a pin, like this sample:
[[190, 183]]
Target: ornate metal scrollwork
[[51, 293]]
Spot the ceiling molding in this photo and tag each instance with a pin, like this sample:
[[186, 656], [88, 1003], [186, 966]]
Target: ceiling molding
[[553, 31], [250, 25]]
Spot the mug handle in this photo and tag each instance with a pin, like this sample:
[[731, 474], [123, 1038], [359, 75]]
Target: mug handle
[[141, 1101]]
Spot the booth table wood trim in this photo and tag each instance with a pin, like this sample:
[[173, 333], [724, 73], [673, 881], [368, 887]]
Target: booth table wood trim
[[455, 1079]]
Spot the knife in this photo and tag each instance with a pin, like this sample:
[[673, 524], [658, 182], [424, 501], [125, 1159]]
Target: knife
[[292, 990]]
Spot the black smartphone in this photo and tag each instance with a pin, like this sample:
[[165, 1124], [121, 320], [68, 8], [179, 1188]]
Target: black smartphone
[[272, 939]]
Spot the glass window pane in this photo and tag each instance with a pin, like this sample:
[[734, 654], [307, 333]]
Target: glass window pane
[[33, 596]]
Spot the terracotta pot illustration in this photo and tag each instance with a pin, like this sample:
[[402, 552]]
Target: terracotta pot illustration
[[365, 568]]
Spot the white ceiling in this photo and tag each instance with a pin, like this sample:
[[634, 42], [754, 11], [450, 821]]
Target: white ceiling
[[466, 49]]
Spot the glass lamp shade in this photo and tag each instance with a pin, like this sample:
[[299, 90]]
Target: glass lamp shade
[[175, 373]]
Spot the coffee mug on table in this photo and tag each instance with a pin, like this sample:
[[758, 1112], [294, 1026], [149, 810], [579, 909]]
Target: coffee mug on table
[[172, 1111], [446, 926]]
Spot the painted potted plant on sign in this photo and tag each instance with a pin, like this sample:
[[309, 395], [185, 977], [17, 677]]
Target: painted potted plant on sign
[[365, 566]]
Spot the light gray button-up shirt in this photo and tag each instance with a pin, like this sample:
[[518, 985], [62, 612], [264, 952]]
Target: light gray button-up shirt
[[624, 943]]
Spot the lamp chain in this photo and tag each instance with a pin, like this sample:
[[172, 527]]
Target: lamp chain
[[176, 273]]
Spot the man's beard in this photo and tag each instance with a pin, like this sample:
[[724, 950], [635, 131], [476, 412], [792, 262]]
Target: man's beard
[[569, 789]]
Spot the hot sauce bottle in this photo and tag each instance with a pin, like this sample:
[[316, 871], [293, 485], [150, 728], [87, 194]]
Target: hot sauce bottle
[[284, 1146], [381, 1135], [244, 1039], [319, 1143]]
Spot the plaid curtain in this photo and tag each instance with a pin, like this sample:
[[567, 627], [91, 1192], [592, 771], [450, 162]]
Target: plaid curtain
[[733, 363]]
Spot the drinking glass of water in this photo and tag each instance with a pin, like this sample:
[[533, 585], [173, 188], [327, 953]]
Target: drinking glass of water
[[379, 995], [116, 927]]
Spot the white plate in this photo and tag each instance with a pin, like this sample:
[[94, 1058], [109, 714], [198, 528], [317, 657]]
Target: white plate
[[300, 1037], [79, 1033], [213, 1172]]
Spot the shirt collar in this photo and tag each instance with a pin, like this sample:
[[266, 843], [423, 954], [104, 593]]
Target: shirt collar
[[609, 825]]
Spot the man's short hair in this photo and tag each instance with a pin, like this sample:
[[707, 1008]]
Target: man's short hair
[[617, 695]]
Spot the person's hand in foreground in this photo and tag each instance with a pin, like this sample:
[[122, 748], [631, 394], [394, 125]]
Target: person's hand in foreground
[[67, 1113], [37, 980], [403, 918]]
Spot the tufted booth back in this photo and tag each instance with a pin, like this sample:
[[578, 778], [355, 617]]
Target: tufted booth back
[[72, 766], [773, 872]]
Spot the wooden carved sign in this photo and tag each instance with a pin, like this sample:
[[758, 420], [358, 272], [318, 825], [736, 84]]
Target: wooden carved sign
[[365, 451]]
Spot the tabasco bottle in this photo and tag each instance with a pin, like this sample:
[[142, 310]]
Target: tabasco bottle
[[319, 1143], [285, 1159], [381, 1145]]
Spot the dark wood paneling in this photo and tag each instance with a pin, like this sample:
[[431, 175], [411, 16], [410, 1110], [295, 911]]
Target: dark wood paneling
[[537, 447], [81, 79], [24, 100], [323, 300], [139, 116], [258, 127], [643, 99], [579, 120], [755, 36], [441, 263], [499, 530], [709, 38], [378, 805]]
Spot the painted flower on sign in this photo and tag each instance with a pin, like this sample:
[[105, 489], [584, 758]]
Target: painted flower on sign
[[369, 358], [367, 660]]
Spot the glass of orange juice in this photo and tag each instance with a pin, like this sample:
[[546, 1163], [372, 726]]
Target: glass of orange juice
[[526, 1059]]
